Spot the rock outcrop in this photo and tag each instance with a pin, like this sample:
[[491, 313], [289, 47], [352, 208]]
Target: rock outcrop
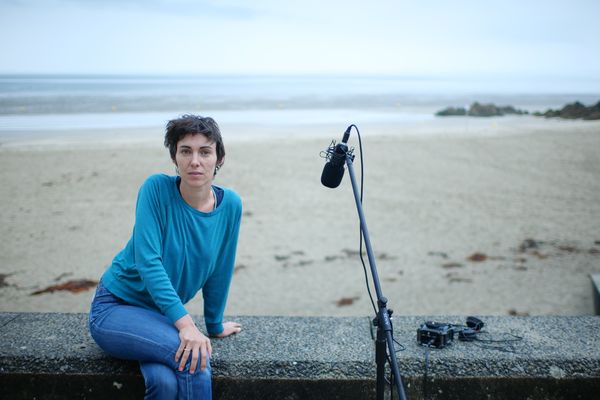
[[480, 110], [575, 110]]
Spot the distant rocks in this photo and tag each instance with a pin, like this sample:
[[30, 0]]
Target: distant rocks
[[451, 112], [489, 110], [573, 111], [480, 110]]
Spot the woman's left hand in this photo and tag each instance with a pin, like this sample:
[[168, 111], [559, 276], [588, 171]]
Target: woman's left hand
[[229, 328]]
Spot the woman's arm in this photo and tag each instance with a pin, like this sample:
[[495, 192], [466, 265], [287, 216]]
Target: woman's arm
[[148, 236], [216, 288]]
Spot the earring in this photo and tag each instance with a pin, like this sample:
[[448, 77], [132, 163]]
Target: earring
[[177, 170]]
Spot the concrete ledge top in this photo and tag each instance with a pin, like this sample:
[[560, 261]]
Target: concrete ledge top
[[321, 348]]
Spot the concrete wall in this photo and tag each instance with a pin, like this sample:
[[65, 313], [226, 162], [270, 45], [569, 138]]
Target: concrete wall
[[52, 356]]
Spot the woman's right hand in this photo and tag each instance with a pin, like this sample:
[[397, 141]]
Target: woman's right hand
[[192, 343]]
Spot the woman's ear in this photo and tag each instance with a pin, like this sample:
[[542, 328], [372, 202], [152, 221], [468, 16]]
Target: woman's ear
[[219, 165]]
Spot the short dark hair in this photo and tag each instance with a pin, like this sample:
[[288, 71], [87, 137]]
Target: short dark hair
[[188, 124]]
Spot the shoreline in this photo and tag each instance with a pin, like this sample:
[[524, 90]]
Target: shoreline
[[463, 126], [435, 195]]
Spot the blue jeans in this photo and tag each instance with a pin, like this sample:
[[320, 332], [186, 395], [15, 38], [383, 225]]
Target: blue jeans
[[135, 333]]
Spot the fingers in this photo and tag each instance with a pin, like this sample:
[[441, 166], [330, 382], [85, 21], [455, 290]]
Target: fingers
[[184, 357], [203, 352], [198, 352], [194, 362], [179, 351], [230, 328], [234, 325], [194, 346]]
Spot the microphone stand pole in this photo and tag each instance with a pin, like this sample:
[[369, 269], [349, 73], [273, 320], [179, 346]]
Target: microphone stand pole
[[383, 321]]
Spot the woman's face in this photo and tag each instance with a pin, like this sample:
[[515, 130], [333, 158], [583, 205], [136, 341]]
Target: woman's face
[[196, 158]]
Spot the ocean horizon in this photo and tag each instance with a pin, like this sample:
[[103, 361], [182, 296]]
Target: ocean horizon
[[50, 103]]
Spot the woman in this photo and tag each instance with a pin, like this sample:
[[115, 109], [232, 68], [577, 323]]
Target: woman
[[184, 239]]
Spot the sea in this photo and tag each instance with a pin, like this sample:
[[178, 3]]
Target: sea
[[43, 105]]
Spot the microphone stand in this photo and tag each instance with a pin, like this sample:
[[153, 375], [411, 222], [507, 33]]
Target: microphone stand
[[383, 320]]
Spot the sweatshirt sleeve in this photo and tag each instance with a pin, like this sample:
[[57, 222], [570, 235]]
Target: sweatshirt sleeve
[[148, 241], [216, 288]]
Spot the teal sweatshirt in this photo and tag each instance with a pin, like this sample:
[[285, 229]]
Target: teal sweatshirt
[[176, 250]]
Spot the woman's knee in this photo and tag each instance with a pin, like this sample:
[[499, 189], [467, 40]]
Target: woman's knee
[[204, 374], [198, 373], [196, 385], [160, 381]]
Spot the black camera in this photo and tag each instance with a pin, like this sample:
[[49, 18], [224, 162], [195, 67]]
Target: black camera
[[435, 334]]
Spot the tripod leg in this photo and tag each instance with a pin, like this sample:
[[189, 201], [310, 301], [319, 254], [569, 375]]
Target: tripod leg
[[395, 368], [380, 360]]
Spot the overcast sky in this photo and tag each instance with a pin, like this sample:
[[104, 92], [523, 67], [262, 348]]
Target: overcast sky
[[512, 38]]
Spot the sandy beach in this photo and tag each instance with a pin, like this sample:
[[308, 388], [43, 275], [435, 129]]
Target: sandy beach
[[467, 216]]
